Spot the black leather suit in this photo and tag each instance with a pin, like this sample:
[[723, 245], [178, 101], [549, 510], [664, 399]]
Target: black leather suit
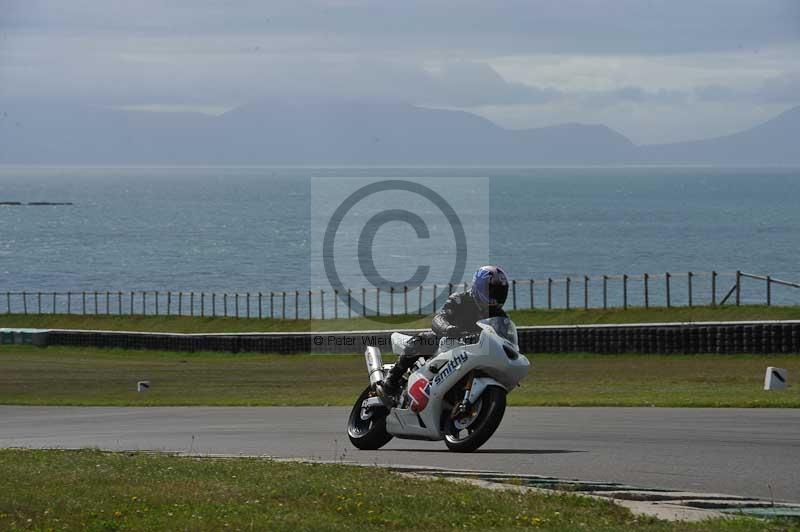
[[456, 318]]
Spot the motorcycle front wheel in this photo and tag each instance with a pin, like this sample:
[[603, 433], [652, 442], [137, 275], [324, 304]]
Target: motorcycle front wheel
[[466, 433], [366, 428]]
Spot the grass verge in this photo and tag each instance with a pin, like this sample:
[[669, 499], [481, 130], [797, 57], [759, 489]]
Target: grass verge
[[92, 490], [81, 376], [189, 324]]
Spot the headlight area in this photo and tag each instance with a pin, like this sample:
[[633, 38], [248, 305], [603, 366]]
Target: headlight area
[[511, 353]]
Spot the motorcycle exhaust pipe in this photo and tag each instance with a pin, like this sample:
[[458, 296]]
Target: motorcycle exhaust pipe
[[374, 365]]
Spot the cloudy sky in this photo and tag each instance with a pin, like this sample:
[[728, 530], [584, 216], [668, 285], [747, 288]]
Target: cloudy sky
[[655, 70]]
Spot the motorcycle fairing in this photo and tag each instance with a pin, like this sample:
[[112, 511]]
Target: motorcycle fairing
[[448, 368]]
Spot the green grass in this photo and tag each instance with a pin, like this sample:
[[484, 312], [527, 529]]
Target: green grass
[[97, 491], [81, 376], [521, 317]]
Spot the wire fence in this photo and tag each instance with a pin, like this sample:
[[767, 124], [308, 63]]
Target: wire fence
[[570, 292]]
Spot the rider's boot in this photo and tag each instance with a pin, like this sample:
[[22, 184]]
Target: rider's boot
[[422, 345], [391, 386]]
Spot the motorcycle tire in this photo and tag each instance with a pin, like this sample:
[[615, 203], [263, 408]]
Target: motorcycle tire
[[467, 439], [367, 434]]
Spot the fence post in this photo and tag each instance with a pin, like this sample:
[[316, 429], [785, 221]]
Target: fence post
[[69, 302], [296, 304], [39, 300], [180, 303], [247, 304], [144, 303], [108, 300], [769, 290], [202, 304], [549, 293], [449, 289], [434, 299], [169, 302], [119, 303], [530, 288], [336, 303], [271, 305], [214, 304], [667, 277], [378, 300], [283, 305], [738, 287], [391, 301], [585, 292], [689, 283], [322, 303], [405, 300], [605, 292], [349, 303], [646, 290], [309, 305], [225, 305], [569, 282], [260, 312], [625, 291], [236, 304], [83, 302], [364, 302], [54, 302], [514, 292], [24, 303], [95, 302], [713, 288], [132, 296], [419, 311]]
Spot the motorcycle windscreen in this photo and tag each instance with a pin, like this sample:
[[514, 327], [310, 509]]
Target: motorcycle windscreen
[[504, 327]]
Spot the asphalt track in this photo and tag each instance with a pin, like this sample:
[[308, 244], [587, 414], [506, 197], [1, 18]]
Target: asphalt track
[[745, 452]]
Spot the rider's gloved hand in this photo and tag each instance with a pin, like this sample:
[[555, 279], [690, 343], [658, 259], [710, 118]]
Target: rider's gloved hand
[[470, 338], [452, 332]]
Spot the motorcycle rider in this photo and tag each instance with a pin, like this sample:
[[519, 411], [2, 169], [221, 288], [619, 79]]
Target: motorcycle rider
[[456, 319]]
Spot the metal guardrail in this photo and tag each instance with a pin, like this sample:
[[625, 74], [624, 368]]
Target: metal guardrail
[[598, 291]]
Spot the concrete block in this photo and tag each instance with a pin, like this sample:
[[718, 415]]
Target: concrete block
[[775, 378]]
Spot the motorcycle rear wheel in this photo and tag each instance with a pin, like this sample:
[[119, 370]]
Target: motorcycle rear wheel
[[465, 437], [367, 429]]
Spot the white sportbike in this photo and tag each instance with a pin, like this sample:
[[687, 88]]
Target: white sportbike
[[458, 395]]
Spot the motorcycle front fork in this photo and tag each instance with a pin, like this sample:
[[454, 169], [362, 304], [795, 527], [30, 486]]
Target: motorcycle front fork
[[463, 407]]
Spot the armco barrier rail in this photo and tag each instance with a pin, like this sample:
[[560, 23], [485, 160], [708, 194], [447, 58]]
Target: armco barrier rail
[[700, 337], [584, 291]]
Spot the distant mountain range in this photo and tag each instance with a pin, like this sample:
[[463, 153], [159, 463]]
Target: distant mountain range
[[353, 133]]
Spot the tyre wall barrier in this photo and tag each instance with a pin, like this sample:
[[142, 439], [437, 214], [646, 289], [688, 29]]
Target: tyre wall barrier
[[282, 343], [690, 338], [738, 337]]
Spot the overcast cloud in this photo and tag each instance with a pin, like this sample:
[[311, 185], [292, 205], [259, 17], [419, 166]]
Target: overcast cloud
[[654, 70]]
